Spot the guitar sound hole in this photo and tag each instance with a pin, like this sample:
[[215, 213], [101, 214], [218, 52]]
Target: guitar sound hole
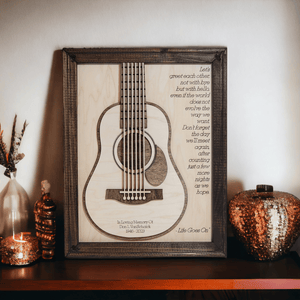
[[136, 152]]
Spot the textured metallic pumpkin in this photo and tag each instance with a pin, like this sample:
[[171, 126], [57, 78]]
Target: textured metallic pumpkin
[[266, 222]]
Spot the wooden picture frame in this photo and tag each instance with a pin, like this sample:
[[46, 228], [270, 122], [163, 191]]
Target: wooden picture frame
[[179, 208]]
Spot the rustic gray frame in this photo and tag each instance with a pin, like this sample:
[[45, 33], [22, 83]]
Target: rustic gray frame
[[217, 56]]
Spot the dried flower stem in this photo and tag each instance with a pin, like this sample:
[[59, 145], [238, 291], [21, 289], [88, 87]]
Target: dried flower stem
[[10, 158], [2, 149]]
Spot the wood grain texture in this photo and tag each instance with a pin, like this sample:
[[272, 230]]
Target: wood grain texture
[[214, 56], [154, 274], [146, 55], [157, 172], [146, 285]]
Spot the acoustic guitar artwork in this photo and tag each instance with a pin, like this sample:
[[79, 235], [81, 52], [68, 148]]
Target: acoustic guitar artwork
[[134, 191]]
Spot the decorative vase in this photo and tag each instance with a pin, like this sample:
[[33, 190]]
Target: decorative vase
[[18, 246], [265, 221]]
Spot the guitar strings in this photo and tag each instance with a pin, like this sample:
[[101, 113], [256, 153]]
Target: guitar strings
[[135, 130], [140, 129], [134, 123], [128, 128], [123, 129], [131, 131], [141, 133], [143, 126]]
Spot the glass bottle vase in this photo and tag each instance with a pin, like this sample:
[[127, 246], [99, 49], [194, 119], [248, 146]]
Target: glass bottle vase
[[18, 246]]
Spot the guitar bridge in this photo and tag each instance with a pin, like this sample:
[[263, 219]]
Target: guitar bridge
[[134, 197]]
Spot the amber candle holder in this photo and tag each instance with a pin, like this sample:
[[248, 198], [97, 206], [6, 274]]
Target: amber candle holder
[[20, 249]]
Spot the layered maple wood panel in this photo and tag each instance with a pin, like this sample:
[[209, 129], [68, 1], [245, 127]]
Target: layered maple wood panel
[[174, 127]]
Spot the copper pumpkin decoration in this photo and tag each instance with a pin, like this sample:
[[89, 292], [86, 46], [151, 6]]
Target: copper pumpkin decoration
[[265, 221]]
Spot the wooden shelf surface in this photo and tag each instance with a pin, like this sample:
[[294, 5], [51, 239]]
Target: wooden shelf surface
[[153, 274]]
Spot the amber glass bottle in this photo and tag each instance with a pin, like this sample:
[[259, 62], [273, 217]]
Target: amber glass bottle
[[45, 223]]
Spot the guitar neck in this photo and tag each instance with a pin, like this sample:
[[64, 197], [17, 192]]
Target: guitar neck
[[133, 97]]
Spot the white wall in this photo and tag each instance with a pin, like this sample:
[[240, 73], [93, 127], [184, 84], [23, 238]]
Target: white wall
[[263, 41]]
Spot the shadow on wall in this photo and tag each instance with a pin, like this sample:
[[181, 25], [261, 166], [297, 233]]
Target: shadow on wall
[[296, 246], [233, 187], [50, 157]]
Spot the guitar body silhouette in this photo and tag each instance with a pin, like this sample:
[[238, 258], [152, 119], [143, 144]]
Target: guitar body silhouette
[[134, 191]]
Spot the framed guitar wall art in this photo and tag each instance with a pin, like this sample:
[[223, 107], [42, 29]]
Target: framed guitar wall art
[[145, 152]]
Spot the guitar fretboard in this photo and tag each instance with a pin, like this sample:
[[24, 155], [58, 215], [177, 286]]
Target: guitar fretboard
[[133, 96]]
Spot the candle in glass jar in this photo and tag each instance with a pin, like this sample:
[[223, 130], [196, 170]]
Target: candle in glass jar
[[20, 249]]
